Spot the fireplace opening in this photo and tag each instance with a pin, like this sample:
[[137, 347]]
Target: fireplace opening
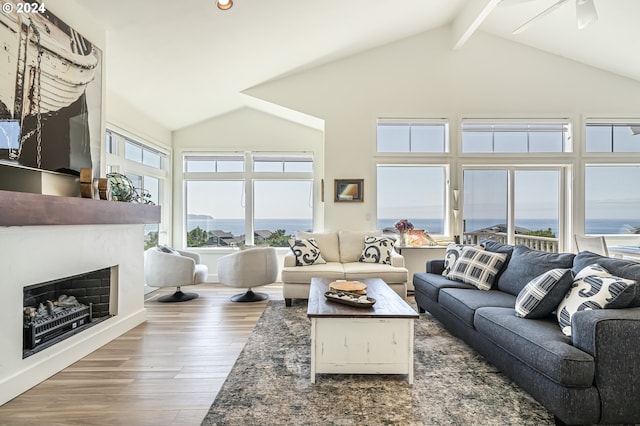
[[56, 310]]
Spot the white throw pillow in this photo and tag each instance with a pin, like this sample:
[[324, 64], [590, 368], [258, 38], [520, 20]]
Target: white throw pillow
[[306, 251], [594, 288], [477, 267], [377, 250]]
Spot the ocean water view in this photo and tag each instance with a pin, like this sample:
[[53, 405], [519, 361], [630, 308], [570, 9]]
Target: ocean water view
[[433, 226]]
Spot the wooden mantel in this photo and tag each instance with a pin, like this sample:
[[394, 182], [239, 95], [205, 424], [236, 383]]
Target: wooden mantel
[[26, 209]]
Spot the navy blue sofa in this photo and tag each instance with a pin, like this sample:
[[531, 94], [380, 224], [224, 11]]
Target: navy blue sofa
[[592, 377]]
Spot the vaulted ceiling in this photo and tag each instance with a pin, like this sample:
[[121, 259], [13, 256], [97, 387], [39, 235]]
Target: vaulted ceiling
[[182, 62]]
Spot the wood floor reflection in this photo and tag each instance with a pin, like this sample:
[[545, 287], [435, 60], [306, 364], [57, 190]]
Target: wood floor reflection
[[166, 371]]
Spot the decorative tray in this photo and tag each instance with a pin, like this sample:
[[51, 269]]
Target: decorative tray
[[351, 299]]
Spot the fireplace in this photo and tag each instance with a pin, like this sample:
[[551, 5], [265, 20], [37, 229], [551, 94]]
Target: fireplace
[[56, 310]]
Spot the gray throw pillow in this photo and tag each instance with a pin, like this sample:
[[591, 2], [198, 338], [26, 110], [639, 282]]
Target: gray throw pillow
[[526, 264], [541, 296]]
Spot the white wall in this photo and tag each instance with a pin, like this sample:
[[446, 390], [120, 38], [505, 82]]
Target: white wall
[[242, 130], [422, 77]]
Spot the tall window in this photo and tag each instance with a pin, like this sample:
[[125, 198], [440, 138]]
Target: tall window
[[146, 167], [515, 136], [531, 195], [612, 199], [411, 180], [412, 192], [249, 198]]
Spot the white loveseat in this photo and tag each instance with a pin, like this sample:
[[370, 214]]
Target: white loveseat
[[341, 250]]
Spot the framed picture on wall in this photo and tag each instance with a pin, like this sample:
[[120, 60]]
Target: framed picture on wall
[[349, 190]]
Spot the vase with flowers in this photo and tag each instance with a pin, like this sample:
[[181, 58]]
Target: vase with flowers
[[403, 226]]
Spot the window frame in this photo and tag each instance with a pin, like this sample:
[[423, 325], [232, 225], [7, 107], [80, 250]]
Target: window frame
[[248, 176]]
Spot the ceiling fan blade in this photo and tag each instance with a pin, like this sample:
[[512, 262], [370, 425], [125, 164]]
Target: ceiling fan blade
[[542, 14], [586, 12]]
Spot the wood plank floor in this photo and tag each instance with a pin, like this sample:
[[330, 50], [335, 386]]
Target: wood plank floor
[[166, 371]]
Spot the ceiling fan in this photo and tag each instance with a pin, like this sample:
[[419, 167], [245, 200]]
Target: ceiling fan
[[585, 12]]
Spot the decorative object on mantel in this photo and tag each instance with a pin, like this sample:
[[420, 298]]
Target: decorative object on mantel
[[122, 189], [104, 188], [86, 183], [403, 226]]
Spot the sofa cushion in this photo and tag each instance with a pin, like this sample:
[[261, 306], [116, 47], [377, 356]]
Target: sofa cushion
[[619, 267], [541, 296], [477, 267], [539, 344], [388, 273], [297, 274], [463, 303], [431, 284], [352, 243], [526, 264], [594, 288], [306, 252], [377, 250], [326, 241]]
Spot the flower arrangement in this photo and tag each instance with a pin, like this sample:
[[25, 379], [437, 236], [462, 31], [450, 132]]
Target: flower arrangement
[[403, 226]]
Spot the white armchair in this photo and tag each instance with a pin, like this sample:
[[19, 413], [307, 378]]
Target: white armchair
[[174, 268], [247, 269]]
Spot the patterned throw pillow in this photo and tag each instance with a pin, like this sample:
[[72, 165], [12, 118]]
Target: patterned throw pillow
[[541, 295], [452, 254], [594, 288], [306, 251], [377, 250], [477, 267]]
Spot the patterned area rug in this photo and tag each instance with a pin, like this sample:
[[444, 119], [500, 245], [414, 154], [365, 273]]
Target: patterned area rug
[[269, 384]]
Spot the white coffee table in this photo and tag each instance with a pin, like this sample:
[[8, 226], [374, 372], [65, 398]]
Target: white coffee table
[[349, 340]]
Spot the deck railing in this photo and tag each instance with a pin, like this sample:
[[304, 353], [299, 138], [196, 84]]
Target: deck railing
[[533, 242]]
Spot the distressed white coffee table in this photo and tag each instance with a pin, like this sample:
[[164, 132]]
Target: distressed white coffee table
[[349, 340]]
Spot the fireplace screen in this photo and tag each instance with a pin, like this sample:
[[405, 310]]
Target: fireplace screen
[[58, 309]]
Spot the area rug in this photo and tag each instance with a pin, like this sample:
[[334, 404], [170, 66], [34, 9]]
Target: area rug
[[269, 384]]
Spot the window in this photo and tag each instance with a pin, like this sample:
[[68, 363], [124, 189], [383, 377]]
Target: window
[[612, 137], [250, 198], [413, 192], [412, 136], [612, 199], [533, 195], [145, 167], [530, 136]]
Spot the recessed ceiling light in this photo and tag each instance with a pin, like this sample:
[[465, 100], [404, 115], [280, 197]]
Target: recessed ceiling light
[[224, 4]]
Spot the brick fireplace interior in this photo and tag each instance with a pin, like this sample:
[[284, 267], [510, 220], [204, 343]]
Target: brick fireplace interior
[[55, 310]]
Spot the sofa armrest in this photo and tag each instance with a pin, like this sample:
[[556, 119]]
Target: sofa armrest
[[397, 259], [611, 336], [289, 260], [435, 266]]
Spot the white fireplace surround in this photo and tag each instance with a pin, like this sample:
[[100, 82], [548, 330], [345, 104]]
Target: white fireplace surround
[[35, 254]]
